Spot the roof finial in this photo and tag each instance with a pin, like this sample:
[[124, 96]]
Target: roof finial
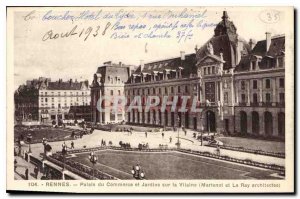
[[225, 15]]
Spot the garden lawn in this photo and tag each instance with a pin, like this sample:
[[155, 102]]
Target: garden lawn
[[171, 165]]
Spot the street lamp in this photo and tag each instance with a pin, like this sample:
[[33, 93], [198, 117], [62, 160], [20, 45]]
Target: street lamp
[[93, 159], [137, 173], [29, 138], [64, 153], [178, 142], [202, 129], [44, 142]]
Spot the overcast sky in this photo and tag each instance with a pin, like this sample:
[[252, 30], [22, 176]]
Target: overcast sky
[[77, 59]]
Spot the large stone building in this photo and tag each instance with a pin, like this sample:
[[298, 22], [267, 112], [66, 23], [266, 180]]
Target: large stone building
[[239, 85], [56, 99], [43, 101], [108, 81]]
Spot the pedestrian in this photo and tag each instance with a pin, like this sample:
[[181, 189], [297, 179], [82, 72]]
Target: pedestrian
[[36, 172], [72, 145], [218, 150], [162, 134], [170, 139], [102, 142], [146, 134], [26, 174], [15, 164], [185, 132]]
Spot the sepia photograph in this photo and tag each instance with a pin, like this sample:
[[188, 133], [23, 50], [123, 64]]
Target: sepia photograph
[[150, 99]]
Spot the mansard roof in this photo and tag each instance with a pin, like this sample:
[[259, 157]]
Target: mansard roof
[[69, 85], [112, 71], [277, 48], [188, 65]]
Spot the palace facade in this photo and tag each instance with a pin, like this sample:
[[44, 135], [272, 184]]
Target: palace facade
[[239, 85]]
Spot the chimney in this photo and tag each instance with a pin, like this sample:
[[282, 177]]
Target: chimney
[[71, 81], [252, 43], [268, 41], [120, 63], [142, 64], [196, 49], [182, 55], [221, 56]]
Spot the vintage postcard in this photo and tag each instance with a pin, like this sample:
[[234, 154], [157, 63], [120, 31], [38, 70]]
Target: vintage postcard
[[150, 99]]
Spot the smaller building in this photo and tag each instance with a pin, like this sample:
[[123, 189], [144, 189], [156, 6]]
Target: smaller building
[[108, 81], [56, 99]]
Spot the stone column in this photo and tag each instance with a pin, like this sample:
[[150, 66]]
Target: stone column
[[146, 117], [238, 121], [249, 123], [248, 93], [274, 100], [260, 82], [237, 92], [275, 124], [261, 123]]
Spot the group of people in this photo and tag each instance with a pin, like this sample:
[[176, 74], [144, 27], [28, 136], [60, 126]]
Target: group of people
[[26, 174], [124, 145], [143, 146]]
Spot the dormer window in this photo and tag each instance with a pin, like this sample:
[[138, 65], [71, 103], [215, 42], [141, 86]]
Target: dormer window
[[253, 65], [280, 62]]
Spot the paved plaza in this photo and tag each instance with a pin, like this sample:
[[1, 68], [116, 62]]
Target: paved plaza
[[154, 139]]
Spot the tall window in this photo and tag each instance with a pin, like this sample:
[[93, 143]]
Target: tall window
[[255, 98], [268, 97], [178, 89], [243, 96], [243, 85], [281, 97], [172, 90], [254, 84], [268, 83], [186, 89], [111, 92], [281, 83], [166, 90]]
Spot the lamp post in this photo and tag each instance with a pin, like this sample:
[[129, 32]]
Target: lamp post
[[178, 142], [93, 159], [202, 129], [44, 142], [29, 138], [64, 153], [137, 172]]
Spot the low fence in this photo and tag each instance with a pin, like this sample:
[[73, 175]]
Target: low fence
[[56, 174], [188, 151], [242, 149], [80, 169]]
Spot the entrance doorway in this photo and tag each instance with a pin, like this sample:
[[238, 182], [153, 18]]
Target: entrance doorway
[[210, 121]]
